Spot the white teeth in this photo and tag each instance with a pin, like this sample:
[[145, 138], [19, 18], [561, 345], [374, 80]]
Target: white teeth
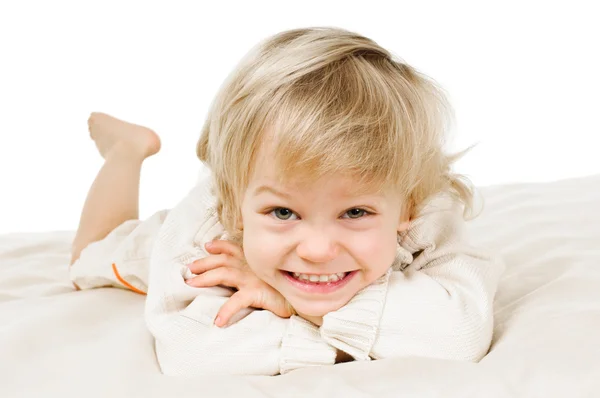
[[320, 278]]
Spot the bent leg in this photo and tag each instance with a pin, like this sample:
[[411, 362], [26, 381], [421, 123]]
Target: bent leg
[[113, 197]]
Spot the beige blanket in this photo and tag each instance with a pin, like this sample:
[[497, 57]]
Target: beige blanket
[[61, 343]]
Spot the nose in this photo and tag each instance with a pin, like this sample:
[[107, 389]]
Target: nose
[[317, 247]]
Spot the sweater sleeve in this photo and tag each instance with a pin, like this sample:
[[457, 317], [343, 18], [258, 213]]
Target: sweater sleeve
[[181, 317], [435, 301]]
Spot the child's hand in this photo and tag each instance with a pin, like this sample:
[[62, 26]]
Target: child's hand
[[226, 266]]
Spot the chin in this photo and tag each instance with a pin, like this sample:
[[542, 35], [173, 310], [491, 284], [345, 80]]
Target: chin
[[316, 309]]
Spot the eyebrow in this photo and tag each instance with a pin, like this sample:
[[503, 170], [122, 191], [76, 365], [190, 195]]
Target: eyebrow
[[268, 189], [273, 191]]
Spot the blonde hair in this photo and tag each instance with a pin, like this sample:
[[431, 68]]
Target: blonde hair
[[331, 101]]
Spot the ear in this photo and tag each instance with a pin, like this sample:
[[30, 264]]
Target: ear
[[404, 221], [403, 225]]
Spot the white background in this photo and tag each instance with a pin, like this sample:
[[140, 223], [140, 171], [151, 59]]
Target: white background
[[523, 78]]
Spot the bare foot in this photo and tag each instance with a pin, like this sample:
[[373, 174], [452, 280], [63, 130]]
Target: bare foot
[[111, 134]]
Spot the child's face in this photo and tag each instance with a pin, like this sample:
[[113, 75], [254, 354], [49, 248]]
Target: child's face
[[293, 232]]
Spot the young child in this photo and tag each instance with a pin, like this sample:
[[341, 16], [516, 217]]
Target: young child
[[328, 227]]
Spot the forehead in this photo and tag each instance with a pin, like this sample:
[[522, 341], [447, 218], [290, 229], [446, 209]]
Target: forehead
[[267, 177], [268, 169]]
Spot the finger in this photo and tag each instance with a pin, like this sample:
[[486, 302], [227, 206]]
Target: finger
[[211, 262], [219, 246], [231, 277], [289, 310], [270, 299], [237, 302]]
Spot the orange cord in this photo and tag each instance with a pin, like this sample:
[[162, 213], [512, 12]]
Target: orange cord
[[124, 282]]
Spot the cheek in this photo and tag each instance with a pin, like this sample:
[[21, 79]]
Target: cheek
[[376, 252], [261, 250]]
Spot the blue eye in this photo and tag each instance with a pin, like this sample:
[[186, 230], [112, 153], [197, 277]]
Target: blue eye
[[282, 213], [356, 213]]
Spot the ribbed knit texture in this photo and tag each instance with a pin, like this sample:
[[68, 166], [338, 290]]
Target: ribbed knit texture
[[434, 301], [303, 346]]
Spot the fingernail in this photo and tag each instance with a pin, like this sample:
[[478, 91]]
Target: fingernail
[[218, 321], [189, 281], [208, 244]]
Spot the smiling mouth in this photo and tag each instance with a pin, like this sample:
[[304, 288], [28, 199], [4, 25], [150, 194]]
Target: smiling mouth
[[318, 278], [319, 284]]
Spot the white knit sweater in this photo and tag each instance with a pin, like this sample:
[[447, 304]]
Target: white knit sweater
[[436, 300]]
